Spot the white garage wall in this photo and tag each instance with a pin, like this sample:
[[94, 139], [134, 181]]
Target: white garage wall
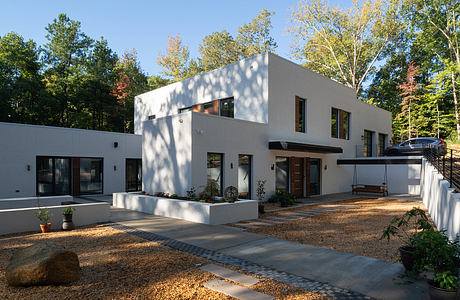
[[20, 144]]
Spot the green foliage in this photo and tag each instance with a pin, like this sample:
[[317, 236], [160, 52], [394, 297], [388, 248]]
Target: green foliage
[[191, 193], [43, 215], [69, 210], [211, 190], [174, 196], [283, 197], [446, 280]]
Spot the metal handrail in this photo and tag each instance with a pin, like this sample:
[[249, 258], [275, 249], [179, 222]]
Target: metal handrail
[[447, 165]]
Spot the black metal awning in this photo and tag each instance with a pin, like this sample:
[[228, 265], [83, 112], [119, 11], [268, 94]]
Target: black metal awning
[[300, 147]]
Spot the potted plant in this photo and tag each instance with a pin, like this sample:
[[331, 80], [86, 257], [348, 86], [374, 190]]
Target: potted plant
[[261, 194], [44, 216], [67, 223], [407, 228], [444, 286]]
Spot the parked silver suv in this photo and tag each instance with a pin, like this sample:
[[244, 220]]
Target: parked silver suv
[[418, 146]]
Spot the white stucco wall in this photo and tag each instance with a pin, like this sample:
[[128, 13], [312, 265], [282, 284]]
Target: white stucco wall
[[440, 200], [246, 81], [167, 154], [20, 144]]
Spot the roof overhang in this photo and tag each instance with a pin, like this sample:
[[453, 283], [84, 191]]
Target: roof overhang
[[300, 147]]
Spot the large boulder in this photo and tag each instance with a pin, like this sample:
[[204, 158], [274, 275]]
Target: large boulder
[[42, 264]]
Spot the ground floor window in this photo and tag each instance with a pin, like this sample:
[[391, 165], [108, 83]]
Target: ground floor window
[[133, 175], [367, 143], [53, 176], [244, 176], [215, 169], [315, 176], [91, 175], [282, 173]]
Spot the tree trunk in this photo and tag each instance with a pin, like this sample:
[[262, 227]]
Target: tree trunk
[[410, 133], [454, 92]]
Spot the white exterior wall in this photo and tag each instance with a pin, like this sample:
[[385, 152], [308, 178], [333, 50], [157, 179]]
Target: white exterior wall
[[167, 154], [287, 80], [246, 81], [440, 200], [20, 144]]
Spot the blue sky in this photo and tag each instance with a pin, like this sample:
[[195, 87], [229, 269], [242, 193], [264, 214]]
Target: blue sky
[[145, 25]]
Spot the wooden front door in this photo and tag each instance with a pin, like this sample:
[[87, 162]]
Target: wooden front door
[[297, 176]]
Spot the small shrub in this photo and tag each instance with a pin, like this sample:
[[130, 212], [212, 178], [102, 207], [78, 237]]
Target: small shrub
[[211, 189], [260, 191], [191, 193], [174, 196], [446, 280], [69, 210]]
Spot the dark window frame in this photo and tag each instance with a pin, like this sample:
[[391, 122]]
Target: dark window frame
[[288, 183], [382, 144], [250, 188], [54, 174], [231, 109], [300, 114], [139, 184], [102, 179], [368, 143], [222, 162], [341, 129]]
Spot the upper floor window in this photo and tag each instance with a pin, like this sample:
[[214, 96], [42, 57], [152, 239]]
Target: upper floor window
[[151, 117], [382, 143], [227, 107], [340, 124], [367, 143], [185, 109], [300, 113]]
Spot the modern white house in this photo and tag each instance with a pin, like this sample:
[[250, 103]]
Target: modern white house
[[49, 161], [262, 118]]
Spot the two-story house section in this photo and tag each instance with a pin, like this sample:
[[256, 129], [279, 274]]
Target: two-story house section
[[262, 118]]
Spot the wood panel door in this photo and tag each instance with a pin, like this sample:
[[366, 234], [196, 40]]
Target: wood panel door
[[297, 176]]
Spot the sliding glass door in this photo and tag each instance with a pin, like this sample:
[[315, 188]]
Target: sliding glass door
[[133, 175], [90, 175], [53, 176]]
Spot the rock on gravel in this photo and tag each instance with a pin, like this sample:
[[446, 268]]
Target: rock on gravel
[[42, 264]]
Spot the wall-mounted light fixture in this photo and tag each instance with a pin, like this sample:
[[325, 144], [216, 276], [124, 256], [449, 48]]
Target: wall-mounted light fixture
[[272, 167], [231, 165], [115, 145], [114, 167], [181, 121], [28, 168], [325, 167]]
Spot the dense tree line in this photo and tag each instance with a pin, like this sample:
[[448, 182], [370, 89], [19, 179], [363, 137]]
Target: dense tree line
[[401, 55]]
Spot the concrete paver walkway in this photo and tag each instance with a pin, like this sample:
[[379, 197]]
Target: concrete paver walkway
[[368, 276]]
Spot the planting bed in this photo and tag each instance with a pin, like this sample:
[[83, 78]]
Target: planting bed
[[194, 211], [117, 265]]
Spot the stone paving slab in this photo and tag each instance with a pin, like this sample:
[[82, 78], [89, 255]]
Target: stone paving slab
[[279, 218], [235, 290], [230, 275], [246, 225], [260, 223], [271, 221]]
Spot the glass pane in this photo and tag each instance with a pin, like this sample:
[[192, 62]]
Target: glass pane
[[282, 173], [214, 168], [133, 175], [139, 174], [367, 143], [334, 122], [244, 176], [227, 107], [301, 116], [91, 175], [62, 176], [315, 168], [346, 124], [45, 176]]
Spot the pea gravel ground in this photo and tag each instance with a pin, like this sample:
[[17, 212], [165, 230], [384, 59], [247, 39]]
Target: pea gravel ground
[[117, 265], [356, 229]]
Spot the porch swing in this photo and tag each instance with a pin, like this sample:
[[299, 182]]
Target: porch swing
[[367, 188]]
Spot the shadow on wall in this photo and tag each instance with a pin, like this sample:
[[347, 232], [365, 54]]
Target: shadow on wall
[[244, 80]]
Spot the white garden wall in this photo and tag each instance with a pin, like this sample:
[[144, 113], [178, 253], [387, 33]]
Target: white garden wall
[[198, 212], [440, 200]]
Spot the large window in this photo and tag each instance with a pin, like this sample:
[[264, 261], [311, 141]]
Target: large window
[[227, 107], [282, 173], [382, 143], [367, 143], [244, 176], [215, 168], [133, 175], [300, 113], [53, 176], [340, 124], [91, 175]]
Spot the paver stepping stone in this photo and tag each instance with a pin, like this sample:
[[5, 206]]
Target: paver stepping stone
[[246, 226], [260, 223], [279, 218], [236, 291], [230, 274], [271, 221]]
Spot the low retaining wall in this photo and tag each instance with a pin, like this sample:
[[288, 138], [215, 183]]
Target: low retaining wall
[[11, 203], [440, 200], [24, 219], [198, 212]]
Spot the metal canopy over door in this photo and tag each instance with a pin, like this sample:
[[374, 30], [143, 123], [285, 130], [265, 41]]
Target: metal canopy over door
[[297, 176]]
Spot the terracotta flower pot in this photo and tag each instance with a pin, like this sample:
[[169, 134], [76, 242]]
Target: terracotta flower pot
[[45, 227]]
